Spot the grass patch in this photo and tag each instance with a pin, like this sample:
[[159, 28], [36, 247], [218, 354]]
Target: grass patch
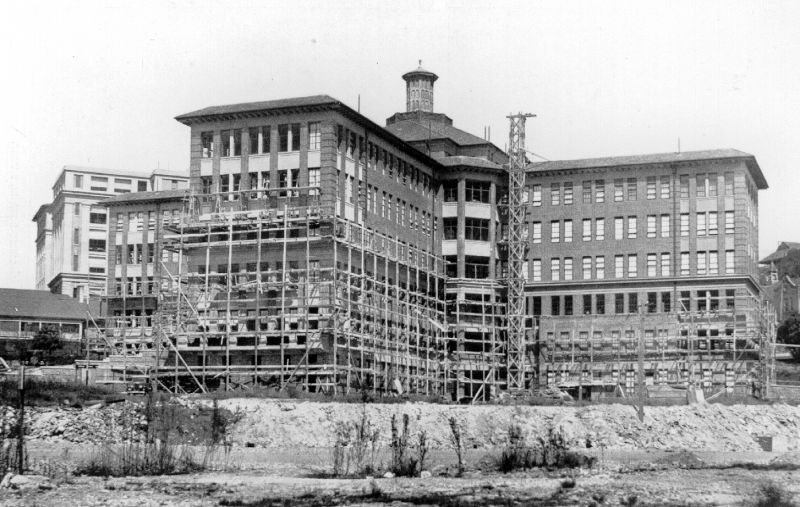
[[45, 392]]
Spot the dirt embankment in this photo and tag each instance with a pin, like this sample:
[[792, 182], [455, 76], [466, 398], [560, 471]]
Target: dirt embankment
[[272, 423], [288, 424]]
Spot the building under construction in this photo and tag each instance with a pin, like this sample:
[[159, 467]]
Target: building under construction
[[317, 248]]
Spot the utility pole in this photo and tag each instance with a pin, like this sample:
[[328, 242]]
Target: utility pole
[[21, 422], [640, 367], [516, 252]]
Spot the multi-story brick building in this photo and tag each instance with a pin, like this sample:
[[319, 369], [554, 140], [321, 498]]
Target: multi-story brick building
[[317, 246], [71, 230]]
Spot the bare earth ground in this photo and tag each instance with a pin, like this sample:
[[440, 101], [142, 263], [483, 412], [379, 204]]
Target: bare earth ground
[[273, 476]]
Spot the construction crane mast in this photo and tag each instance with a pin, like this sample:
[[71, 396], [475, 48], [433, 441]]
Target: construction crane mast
[[516, 252]]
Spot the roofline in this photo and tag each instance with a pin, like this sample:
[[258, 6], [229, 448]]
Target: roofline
[[39, 211], [138, 197], [105, 171], [332, 105], [750, 160]]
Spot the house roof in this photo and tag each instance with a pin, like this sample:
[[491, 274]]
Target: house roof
[[23, 303], [784, 248], [413, 130], [160, 195], [654, 158]]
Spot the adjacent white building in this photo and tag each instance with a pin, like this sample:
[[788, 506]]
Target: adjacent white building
[[72, 230]]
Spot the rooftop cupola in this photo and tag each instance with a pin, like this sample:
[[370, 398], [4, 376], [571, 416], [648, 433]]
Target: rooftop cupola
[[419, 89]]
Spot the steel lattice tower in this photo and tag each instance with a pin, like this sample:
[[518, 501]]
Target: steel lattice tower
[[516, 252]]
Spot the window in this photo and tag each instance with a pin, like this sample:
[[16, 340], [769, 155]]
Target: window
[[730, 299], [568, 268], [78, 180], [314, 136], [97, 218], [141, 186], [632, 189], [97, 245], [619, 190], [632, 267], [684, 224], [98, 183], [537, 270], [567, 231], [730, 228], [97, 270], [76, 209], [600, 267], [286, 143], [567, 305], [587, 192], [477, 191], [701, 224], [651, 187], [555, 194], [568, 193], [632, 227], [537, 232], [666, 302], [701, 263], [651, 226], [555, 269], [666, 262], [314, 181], [232, 143], [600, 229], [685, 269], [685, 301], [587, 268], [451, 228], [633, 302], [713, 263], [665, 187], [476, 229], [684, 186], [618, 228], [728, 183], [651, 264], [600, 304], [555, 231], [537, 195], [664, 226], [730, 267], [76, 262], [555, 305], [652, 302], [450, 191], [701, 185], [599, 191], [619, 266], [587, 229], [619, 303], [587, 304], [476, 267], [207, 142], [712, 184], [713, 227]]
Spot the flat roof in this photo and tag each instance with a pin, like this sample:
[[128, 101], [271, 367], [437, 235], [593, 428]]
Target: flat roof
[[654, 158], [40, 304], [160, 195]]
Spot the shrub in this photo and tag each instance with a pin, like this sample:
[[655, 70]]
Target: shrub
[[550, 451], [772, 495], [403, 462], [458, 444], [356, 445]]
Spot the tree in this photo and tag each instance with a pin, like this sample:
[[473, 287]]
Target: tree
[[47, 340], [789, 333]]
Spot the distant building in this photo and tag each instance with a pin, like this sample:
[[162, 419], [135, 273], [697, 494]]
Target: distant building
[[782, 289], [24, 312], [72, 229]]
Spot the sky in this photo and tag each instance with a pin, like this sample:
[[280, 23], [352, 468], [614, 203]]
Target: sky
[[99, 83]]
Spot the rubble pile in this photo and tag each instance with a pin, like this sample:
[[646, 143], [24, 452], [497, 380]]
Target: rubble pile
[[97, 425]]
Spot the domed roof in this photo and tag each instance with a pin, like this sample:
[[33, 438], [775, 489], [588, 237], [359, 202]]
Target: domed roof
[[419, 71]]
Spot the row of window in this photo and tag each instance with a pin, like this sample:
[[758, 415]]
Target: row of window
[[475, 229], [656, 187], [379, 159], [627, 266], [418, 220], [654, 302], [474, 191], [100, 184], [288, 139], [260, 180], [136, 220], [707, 224]]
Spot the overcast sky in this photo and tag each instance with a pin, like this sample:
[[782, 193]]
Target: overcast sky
[[99, 83]]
